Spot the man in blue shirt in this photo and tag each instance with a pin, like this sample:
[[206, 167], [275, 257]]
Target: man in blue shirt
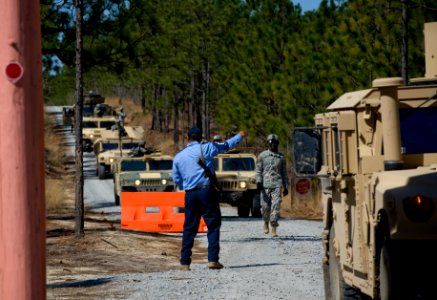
[[201, 198]]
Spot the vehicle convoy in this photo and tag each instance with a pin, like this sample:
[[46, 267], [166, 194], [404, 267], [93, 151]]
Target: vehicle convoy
[[96, 116], [111, 146], [235, 171], [375, 154], [149, 172], [90, 102]]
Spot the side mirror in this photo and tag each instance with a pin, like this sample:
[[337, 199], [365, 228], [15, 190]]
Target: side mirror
[[307, 158]]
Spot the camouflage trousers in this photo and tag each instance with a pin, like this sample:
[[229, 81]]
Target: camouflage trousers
[[271, 205]]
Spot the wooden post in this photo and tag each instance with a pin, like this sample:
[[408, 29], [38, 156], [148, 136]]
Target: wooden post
[[22, 207]]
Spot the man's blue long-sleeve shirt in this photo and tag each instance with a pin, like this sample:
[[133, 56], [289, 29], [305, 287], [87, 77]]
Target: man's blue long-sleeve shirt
[[187, 173]]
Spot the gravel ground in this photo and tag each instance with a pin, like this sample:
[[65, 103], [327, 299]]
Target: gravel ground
[[256, 266]]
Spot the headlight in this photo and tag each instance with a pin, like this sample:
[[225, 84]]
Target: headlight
[[111, 160], [243, 184], [418, 208], [163, 181], [137, 182], [91, 136]]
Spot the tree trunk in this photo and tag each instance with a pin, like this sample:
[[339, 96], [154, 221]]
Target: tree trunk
[[79, 205], [405, 41]]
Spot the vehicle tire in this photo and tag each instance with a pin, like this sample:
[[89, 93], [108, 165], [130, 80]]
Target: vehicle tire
[[243, 211], [101, 171], [116, 197], [332, 274], [335, 287], [385, 278], [256, 206]]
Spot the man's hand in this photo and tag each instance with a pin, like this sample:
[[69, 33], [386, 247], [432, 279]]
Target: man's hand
[[285, 192], [243, 133], [259, 186]]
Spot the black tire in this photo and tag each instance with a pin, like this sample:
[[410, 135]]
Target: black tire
[[101, 171], [385, 278], [332, 273], [335, 287], [116, 197], [243, 211], [256, 206]]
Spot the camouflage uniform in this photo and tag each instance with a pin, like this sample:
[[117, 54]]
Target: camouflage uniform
[[271, 171]]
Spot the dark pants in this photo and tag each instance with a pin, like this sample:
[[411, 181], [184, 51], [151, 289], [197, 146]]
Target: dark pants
[[201, 203]]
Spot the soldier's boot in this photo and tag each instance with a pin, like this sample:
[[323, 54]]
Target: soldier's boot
[[266, 227], [274, 234]]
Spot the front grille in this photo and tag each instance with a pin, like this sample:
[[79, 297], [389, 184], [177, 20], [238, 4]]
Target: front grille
[[229, 185], [150, 182]]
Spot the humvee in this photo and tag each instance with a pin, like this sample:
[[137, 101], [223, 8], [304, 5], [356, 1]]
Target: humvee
[[93, 126], [90, 101], [111, 146], [235, 172], [375, 153], [146, 173]]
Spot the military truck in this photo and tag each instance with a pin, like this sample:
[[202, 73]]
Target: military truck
[[90, 101], [111, 146], [375, 154], [235, 172], [92, 128], [146, 173]]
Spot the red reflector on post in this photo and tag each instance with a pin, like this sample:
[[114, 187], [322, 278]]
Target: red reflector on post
[[14, 71]]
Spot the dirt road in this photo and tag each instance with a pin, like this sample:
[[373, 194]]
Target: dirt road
[[109, 263]]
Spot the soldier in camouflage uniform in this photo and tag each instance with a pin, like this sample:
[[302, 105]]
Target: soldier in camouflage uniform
[[271, 177]]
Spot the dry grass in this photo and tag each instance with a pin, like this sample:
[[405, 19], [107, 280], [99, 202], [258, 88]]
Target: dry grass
[[57, 188]]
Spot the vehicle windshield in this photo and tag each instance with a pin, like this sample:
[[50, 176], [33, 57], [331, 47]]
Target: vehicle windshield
[[127, 146], [107, 124], [133, 165], [160, 165], [238, 164], [418, 130], [110, 146], [89, 125], [87, 111]]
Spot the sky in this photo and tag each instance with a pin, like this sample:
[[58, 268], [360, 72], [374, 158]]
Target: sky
[[307, 4]]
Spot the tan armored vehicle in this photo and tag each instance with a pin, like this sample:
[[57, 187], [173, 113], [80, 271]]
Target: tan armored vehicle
[[375, 152], [90, 101], [111, 146], [235, 172], [93, 126], [146, 173]]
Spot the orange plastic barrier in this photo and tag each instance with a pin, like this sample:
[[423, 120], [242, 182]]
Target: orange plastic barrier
[[154, 212]]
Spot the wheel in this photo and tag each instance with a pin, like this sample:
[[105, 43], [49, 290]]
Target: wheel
[[396, 268], [243, 211], [117, 199], [332, 274], [335, 287], [116, 196], [101, 171], [256, 206], [385, 278]]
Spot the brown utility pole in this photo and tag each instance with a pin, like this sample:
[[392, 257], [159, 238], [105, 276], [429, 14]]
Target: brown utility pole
[[22, 202]]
